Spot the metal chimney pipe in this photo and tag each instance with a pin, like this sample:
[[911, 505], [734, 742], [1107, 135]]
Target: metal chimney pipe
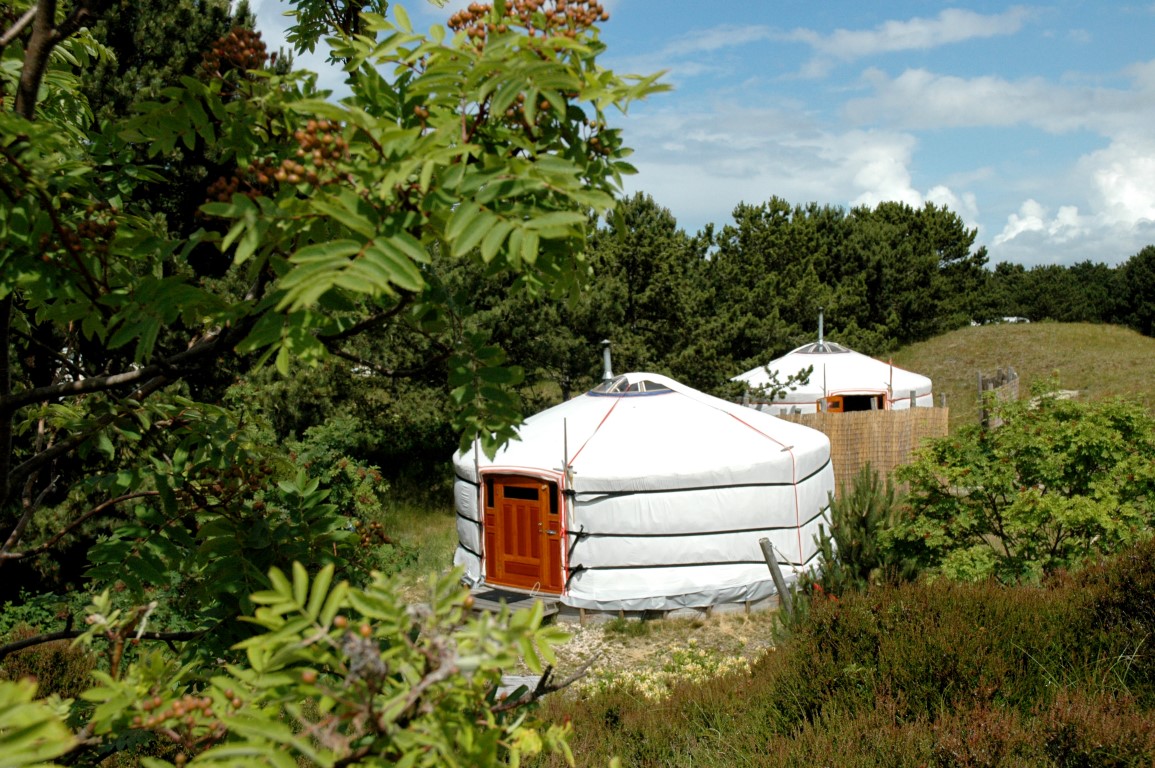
[[820, 323], [607, 369]]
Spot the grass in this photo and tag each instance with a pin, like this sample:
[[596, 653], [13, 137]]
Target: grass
[[1098, 361], [426, 532]]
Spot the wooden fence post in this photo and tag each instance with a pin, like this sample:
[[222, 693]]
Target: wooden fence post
[[784, 598]]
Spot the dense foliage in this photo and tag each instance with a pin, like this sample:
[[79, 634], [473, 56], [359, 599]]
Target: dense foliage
[[1058, 482], [150, 261]]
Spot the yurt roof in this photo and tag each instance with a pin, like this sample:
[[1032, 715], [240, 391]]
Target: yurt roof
[[645, 431], [838, 370]]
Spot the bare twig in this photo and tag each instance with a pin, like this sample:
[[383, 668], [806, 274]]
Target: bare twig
[[370, 322], [5, 391], [15, 30], [545, 687], [7, 554], [72, 634], [390, 372]]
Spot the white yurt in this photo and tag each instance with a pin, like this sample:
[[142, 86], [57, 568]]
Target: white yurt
[[643, 495], [840, 380]]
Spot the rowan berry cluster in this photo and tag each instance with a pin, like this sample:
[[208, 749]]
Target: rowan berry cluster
[[188, 721], [550, 18], [98, 229], [319, 144], [223, 189], [602, 141], [515, 112], [239, 50], [320, 147], [212, 486], [187, 708], [372, 534]]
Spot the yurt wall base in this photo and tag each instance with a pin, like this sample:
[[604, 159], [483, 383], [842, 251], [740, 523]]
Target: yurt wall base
[[488, 599], [567, 613]]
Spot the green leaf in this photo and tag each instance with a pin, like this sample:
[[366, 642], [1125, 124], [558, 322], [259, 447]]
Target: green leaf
[[475, 229], [300, 583], [341, 212], [491, 244], [331, 251], [320, 591], [555, 222], [402, 18], [334, 602], [462, 217], [529, 247], [394, 264]]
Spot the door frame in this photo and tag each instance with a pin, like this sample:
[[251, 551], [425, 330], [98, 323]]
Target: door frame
[[554, 535]]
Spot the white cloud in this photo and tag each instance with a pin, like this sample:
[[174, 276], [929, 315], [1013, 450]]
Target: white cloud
[[879, 164], [965, 205], [700, 164], [1123, 177], [1119, 207], [952, 25], [919, 99], [1066, 225]]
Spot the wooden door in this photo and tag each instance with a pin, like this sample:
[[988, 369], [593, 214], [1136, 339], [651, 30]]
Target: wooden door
[[522, 533]]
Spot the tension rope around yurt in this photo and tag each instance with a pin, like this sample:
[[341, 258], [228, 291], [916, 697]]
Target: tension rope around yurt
[[643, 494]]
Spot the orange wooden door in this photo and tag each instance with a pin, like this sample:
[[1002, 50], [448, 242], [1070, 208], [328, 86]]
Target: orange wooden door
[[522, 534]]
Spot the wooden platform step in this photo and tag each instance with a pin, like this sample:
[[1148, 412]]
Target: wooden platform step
[[490, 599]]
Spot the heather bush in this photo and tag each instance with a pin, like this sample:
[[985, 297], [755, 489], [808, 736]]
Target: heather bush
[[1096, 729], [940, 673], [1121, 619]]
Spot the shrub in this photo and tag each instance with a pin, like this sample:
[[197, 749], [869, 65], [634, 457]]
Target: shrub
[[1058, 482], [1096, 729], [938, 673], [57, 667]]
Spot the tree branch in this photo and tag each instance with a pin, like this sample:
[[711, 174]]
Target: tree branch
[[82, 15], [40, 45], [370, 322], [545, 687], [7, 554], [22, 470], [390, 372], [5, 391], [72, 634], [9, 402], [15, 30]]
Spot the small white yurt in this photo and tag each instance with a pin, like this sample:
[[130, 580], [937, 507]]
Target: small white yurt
[[643, 494], [840, 380]]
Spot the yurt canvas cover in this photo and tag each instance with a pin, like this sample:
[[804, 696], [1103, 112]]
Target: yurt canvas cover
[[643, 494], [842, 379]]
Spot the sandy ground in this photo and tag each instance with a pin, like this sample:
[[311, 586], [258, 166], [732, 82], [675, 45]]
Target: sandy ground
[[626, 645]]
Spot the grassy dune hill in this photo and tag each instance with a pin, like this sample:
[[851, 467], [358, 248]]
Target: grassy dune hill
[[1097, 360]]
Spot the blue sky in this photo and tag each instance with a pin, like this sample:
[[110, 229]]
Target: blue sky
[[1035, 123]]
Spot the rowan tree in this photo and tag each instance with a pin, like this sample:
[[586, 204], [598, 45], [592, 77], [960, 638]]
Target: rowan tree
[[487, 142]]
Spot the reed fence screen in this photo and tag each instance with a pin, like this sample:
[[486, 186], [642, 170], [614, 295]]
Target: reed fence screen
[[883, 439]]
